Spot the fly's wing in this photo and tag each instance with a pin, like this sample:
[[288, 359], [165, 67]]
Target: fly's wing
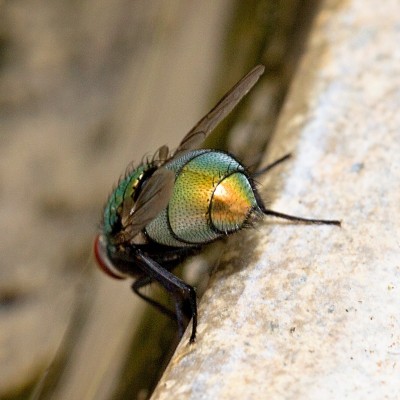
[[200, 131], [153, 198], [161, 155]]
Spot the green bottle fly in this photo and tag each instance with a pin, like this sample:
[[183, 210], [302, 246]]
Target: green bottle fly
[[169, 207]]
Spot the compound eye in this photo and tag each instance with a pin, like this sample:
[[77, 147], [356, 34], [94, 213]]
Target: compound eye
[[103, 260]]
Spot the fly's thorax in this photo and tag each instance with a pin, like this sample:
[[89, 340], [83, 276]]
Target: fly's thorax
[[212, 197], [127, 187]]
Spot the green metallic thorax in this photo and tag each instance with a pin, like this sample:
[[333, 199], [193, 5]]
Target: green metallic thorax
[[126, 188]]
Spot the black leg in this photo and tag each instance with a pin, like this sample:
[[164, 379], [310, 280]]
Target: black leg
[[299, 219], [179, 290], [274, 164], [287, 216], [141, 282], [180, 316]]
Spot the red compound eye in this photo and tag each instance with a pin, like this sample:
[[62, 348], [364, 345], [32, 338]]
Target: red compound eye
[[103, 260]]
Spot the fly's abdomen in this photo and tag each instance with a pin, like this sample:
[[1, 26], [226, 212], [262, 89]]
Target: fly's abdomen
[[232, 201], [212, 197]]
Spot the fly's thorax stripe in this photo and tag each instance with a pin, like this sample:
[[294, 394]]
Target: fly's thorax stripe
[[160, 231]]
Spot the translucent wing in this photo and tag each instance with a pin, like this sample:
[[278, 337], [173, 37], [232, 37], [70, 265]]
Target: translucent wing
[[161, 155], [200, 131], [153, 198]]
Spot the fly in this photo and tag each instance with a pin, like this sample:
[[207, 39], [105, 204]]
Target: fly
[[170, 207]]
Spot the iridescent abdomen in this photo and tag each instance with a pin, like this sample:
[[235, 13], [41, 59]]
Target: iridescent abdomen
[[212, 197]]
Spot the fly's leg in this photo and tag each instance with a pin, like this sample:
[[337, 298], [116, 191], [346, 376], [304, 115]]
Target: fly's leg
[[138, 284], [180, 317], [273, 165], [287, 216], [181, 292], [300, 219]]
